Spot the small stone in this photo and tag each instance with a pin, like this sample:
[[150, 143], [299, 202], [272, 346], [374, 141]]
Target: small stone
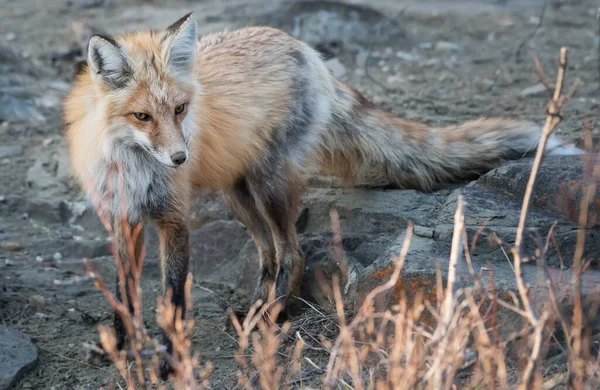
[[423, 231], [57, 256], [17, 355], [361, 59], [59, 86], [11, 246], [406, 56], [447, 46], [10, 36], [336, 68], [17, 109], [10, 151], [395, 81], [39, 259], [49, 101], [38, 302], [535, 90]]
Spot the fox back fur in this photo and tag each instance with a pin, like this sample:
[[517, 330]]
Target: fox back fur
[[252, 113]]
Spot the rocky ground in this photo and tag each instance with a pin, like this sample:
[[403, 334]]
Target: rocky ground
[[438, 61]]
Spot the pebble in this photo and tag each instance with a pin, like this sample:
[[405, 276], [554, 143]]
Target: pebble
[[406, 56], [38, 302], [423, 231], [10, 151], [59, 86], [395, 81], [361, 59], [447, 46], [534, 90], [57, 256], [11, 246], [336, 67]]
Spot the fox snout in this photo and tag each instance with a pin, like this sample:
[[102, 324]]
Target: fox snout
[[172, 152], [179, 157]]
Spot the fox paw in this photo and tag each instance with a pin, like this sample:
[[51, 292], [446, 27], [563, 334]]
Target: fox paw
[[164, 369], [96, 356]]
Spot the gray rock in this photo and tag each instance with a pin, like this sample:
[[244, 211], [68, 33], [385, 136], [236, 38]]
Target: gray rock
[[10, 151], [418, 277], [336, 67], [209, 206], [369, 210], [50, 171], [14, 109], [501, 213], [39, 177], [331, 23], [86, 218], [418, 274], [558, 187], [221, 252], [408, 57], [74, 248], [87, 4], [45, 209], [17, 356], [534, 91], [447, 46]]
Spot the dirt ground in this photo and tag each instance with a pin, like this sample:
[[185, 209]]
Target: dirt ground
[[459, 62]]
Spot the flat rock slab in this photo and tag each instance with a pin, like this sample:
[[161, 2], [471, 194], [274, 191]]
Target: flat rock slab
[[17, 356], [559, 186]]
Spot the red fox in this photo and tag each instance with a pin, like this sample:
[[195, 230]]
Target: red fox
[[251, 113]]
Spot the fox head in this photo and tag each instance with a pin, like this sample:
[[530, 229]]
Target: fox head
[[146, 83]]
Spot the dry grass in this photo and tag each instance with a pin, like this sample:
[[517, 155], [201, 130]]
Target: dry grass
[[391, 349]]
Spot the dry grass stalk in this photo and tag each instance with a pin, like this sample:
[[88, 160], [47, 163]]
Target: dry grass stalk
[[265, 367]]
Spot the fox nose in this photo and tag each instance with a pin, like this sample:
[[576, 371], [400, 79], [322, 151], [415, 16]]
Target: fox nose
[[178, 158]]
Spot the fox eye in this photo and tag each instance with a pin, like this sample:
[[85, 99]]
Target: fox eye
[[179, 109], [141, 116]]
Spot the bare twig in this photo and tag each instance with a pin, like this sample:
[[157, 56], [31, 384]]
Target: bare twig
[[553, 118], [532, 33]]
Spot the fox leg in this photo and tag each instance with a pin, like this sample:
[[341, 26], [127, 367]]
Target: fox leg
[[123, 232], [174, 255], [276, 197], [243, 205]]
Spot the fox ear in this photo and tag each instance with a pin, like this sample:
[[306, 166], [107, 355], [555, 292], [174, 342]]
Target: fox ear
[[108, 61], [180, 45]]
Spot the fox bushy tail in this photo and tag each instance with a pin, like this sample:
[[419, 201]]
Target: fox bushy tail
[[368, 146]]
